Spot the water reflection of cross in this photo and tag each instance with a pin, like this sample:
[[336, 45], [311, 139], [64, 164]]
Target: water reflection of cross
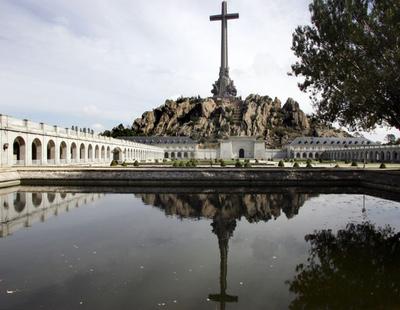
[[223, 228]]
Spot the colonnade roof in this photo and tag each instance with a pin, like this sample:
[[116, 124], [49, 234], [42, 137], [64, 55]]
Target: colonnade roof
[[330, 141], [161, 139]]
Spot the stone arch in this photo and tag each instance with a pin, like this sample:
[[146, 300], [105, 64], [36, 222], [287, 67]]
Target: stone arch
[[36, 199], [310, 155], [51, 152], [36, 152], [395, 156], [103, 152], [19, 201], [304, 155], [90, 152], [185, 155], [19, 151], [82, 152], [108, 152], [316, 156], [74, 152], [179, 155], [172, 154], [388, 156], [97, 152], [382, 156], [166, 155], [63, 151], [51, 197], [298, 155], [117, 154]]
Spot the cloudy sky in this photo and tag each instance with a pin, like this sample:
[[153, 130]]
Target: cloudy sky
[[97, 63]]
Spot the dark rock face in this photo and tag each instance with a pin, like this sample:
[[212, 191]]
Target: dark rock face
[[210, 120]]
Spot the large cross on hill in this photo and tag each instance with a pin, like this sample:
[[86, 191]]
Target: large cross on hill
[[224, 87]]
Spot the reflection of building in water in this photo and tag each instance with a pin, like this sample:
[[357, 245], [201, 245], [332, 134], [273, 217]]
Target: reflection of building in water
[[225, 210], [22, 209], [254, 207]]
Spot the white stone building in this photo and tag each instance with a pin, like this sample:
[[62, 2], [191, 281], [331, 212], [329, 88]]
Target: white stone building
[[26, 143], [342, 149]]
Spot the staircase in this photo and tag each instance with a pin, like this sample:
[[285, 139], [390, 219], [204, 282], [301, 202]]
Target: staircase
[[237, 115]]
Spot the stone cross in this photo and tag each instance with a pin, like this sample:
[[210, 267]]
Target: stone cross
[[224, 87]]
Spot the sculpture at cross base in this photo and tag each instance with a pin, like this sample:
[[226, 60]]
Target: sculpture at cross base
[[224, 87]]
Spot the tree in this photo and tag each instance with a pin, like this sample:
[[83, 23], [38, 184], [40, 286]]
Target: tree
[[119, 131], [356, 268], [350, 61], [390, 138]]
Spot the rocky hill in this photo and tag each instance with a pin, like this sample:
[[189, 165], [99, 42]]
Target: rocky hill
[[209, 120]]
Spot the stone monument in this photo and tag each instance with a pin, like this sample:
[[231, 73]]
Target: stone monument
[[224, 87]]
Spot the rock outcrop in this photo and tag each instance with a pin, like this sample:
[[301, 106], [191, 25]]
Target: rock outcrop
[[210, 120]]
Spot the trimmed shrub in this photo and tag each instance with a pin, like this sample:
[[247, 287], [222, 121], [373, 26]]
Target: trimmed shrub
[[181, 164], [156, 161], [175, 164], [114, 163], [124, 164], [337, 166], [281, 164], [382, 166], [309, 161], [211, 163], [296, 165], [222, 163], [309, 165], [136, 163], [247, 164], [354, 164], [188, 164], [238, 164], [164, 160]]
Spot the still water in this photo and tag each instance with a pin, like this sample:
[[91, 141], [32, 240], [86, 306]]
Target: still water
[[199, 249]]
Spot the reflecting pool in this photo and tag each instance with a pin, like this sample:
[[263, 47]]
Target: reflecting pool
[[64, 248]]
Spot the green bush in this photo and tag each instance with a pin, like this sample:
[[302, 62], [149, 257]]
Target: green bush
[[382, 166], [211, 163], [309, 161], [193, 163], [321, 161], [156, 161], [175, 164], [136, 163], [238, 164], [247, 164], [181, 164], [296, 165], [114, 163], [257, 161], [124, 164], [188, 164], [337, 166], [354, 164], [281, 164], [309, 165], [347, 162], [222, 163], [164, 160]]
